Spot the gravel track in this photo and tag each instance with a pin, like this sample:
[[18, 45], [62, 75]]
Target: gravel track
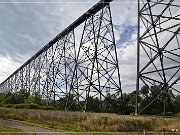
[[29, 128]]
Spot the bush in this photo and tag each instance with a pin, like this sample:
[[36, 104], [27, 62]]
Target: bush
[[26, 106], [169, 113], [33, 106], [132, 114], [178, 114], [45, 107], [8, 105]]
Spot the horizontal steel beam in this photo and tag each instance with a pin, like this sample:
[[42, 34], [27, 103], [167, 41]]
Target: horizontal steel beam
[[101, 4]]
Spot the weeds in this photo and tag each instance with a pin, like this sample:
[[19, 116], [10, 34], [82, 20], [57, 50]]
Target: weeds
[[79, 121]]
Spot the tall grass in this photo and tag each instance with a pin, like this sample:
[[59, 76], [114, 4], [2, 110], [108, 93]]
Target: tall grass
[[79, 121]]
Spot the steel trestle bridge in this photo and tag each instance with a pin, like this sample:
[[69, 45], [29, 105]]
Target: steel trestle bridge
[[79, 69]]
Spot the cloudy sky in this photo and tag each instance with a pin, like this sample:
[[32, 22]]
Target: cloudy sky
[[27, 25]]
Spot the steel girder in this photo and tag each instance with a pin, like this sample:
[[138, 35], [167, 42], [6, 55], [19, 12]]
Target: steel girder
[[71, 70], [158, 49]]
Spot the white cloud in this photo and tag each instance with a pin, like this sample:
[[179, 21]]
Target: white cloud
[[127, 64], [8, 66], [32, 40], [124, 12]]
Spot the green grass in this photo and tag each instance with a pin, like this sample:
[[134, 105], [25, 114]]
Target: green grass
[[90, 122]]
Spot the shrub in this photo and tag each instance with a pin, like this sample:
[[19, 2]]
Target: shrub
[[18, 106], [178, 114], [26, 106], [8, 105], [45, 107], [169, 113], [33, 106]]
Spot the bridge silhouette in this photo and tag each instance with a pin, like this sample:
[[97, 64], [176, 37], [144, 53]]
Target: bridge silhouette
[[79, 69]]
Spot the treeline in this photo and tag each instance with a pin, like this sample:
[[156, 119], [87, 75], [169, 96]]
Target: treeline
[[23, 99], [111, 104]]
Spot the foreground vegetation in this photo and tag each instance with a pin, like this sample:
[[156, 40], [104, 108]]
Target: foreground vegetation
[[11, 131], [32, 108], [79, 121]]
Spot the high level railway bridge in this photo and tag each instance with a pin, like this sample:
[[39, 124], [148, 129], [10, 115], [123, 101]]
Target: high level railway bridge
[[65, 68]]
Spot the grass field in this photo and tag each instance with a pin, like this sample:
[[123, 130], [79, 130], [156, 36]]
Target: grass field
[[90, 122]]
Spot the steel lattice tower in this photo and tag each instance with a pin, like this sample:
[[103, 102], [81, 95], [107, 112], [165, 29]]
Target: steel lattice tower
[[158, 48], [97, 70]]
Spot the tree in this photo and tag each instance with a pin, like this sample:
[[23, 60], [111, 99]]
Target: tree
[[93, 104], [144, 91], [9, 98], [21, 96], [34, 98], [127, 106], [176, 104]]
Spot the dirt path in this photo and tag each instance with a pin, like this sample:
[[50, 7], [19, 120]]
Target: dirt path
[[29, 128]]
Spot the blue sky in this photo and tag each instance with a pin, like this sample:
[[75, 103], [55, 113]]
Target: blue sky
[[26, 26], [125, 37]]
